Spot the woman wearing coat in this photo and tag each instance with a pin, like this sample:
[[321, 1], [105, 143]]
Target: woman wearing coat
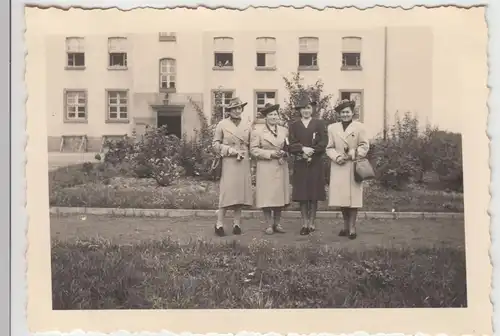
[[308, 140], [268, 146], [347, 142], [231, 142]]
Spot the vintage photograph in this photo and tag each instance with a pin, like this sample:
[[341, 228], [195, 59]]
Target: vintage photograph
[[253, 167]]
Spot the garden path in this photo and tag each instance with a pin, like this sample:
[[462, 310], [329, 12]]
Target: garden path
[[371, 233]]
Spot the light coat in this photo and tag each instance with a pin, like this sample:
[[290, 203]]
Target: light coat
[[272, 188], [236, 178], [344, 191]]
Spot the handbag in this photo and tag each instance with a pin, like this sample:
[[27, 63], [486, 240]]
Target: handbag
[[363, 170]]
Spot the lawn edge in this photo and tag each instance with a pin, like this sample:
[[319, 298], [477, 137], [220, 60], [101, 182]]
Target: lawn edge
[[131, 212]]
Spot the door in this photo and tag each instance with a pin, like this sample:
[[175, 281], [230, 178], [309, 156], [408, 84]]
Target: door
[[173, 122]]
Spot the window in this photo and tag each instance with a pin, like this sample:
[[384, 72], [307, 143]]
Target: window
[[264, 97], [117, 105], [167, 74], [222, 99], [266, 53], [167, 37], [356, 96], [223, 53], [75, 105], [75, 51], [308, 53], [117, 50], [351, 53]]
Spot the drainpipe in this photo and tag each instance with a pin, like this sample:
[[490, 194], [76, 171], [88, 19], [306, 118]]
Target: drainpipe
[[385, 83]]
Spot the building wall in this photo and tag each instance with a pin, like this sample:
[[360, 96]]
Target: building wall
[[409, 75]]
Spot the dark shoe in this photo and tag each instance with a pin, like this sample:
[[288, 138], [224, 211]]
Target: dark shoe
[[304, 231], [311, 229], [236, 230], [219, 231], [352, 236], [343, 233]]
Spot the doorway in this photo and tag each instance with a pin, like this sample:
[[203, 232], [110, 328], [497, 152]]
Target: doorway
[[173, 122]]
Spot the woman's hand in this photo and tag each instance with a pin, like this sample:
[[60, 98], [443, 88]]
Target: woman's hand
[[308, 151], [341, 159], [275, 155]]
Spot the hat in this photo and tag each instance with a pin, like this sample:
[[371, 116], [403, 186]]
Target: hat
[[343, 104], [304, 101], [268, 108], [235, 102]]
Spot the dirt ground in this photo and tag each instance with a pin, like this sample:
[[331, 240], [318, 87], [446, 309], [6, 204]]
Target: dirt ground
[[371, 233]]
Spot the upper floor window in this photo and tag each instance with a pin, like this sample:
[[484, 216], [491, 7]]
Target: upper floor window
[[75, 52], [167, 37], [167, 74], [266, 53], [223, 53], [351, 53], [117, 50], [308, 53]]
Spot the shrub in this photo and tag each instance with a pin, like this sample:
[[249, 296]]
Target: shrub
[[407, 154]]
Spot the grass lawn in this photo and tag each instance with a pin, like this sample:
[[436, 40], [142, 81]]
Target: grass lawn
[[104, 262], [86, 185]]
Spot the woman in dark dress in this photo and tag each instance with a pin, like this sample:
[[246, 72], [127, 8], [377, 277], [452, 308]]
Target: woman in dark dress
[[308, 140]]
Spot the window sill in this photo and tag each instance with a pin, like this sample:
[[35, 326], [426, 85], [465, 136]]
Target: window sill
[[308, 68], [351, 68], [80, 68], [265, 68], [117, 121], [168, 90], [76, 121], [223, 68], [117, 68]]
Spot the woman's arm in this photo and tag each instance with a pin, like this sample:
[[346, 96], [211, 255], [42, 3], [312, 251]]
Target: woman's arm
[[331, 152], [295, 147], [321, 142], [255, 147], [363, 143], [220, 148]]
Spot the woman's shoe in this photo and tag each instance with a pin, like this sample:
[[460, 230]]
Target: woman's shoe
[[269, 230], [236, 230], [219, 231], [343, 233], [304, 231], [352, 236], [278, 229]]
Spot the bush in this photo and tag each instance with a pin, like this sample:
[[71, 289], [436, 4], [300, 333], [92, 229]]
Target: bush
[[407, 154]]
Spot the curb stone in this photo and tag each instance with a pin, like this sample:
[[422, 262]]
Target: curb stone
[[176, 213]]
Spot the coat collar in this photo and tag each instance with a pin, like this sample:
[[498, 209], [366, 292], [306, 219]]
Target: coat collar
[[269, 136]]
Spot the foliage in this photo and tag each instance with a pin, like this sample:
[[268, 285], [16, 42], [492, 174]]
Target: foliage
[[407, 154], [163, 274], [297, 89], [109, 186]]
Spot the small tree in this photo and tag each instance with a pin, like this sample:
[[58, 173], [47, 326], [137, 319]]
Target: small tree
[[297, 89]]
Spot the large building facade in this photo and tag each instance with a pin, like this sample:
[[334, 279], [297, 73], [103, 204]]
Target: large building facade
[[102, 87]]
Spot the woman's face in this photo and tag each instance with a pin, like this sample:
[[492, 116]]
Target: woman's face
[[306, 112], [272, 118], [346, 114], [235, 113]]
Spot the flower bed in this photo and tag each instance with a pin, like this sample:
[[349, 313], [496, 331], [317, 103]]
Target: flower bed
[[102, 185]]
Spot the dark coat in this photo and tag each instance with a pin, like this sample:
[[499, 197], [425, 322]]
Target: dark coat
[[308, 179]]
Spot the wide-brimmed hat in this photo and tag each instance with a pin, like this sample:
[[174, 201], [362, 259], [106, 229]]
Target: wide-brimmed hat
[[268, 108], [304, 101], [235, 102], [343, 104]]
